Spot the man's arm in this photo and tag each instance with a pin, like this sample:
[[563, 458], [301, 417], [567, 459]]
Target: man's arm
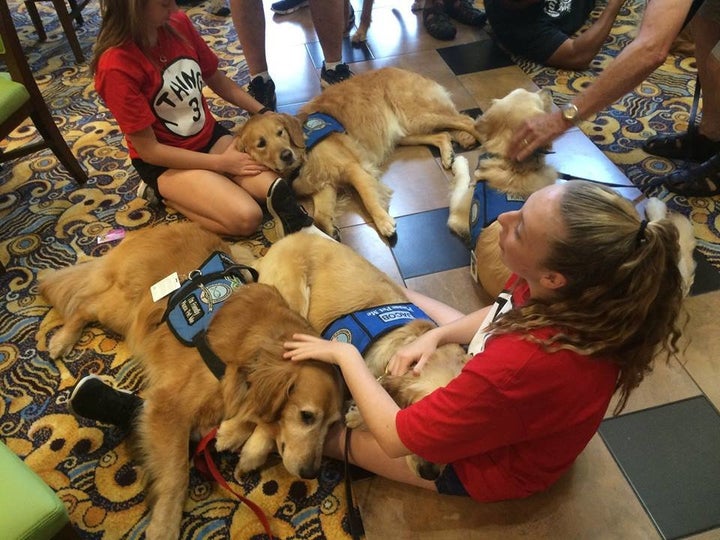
[[660, 26]]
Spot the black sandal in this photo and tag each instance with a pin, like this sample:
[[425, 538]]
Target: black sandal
[[438, 24], [692, 146], [465, 12], [700, 181]]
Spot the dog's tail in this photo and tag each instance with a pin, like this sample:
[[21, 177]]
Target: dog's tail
[[68, 289], [656, 210]]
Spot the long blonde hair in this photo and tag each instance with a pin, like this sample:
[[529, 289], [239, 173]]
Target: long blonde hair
[[623, 294]]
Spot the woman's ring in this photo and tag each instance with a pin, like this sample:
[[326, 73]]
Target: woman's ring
[[526, 142]]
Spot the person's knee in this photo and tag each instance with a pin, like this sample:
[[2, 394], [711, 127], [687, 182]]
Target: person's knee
[[245, 222]]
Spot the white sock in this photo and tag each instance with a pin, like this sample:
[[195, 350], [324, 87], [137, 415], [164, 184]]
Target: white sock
[[264, 74], [332, 65]]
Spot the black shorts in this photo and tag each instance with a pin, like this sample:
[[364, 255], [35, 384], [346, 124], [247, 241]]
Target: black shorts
[[449, 484], [150, 173]]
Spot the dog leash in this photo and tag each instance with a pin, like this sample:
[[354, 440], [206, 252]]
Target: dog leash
[[356, 527], [204, 463]]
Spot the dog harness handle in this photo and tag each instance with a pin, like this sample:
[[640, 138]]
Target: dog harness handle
[[204, 463]]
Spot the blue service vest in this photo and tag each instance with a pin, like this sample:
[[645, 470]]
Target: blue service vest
[[363, 328], [191, 308], [487, 205], [318, 126]]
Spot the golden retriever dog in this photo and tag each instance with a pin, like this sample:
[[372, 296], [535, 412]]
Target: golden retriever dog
[[263, 401], [516, 181], [324, 280], [377, 111]]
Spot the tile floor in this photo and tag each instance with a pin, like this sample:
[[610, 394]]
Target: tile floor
[[653, 472]]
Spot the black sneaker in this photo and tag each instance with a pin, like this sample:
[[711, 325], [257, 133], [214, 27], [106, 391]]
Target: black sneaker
[[263, 91], [464, 11], [146, 192], [285, 7], [339, 73], [289, 214], [96, 400]]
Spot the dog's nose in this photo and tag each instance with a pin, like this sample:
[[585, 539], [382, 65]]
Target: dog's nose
[[287, 156], [308, 472]]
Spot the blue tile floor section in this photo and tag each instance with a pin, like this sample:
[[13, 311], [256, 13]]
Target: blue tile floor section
[[707, 278], [425, 245], [682, 440], [475, 56]]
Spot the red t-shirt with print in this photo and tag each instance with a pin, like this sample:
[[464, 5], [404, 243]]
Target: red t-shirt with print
[[516, 417], [164, 93]]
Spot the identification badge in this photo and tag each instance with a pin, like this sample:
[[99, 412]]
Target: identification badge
[[111, 235], [165, 286]]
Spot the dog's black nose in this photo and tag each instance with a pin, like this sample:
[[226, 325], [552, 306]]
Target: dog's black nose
[[287, 156], [308, 473]]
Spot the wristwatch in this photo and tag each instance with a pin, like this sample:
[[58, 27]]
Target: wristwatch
[[570, 113]]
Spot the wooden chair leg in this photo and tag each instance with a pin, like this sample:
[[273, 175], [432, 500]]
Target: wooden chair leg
[[67, 24], [46, 126], [36, 20]]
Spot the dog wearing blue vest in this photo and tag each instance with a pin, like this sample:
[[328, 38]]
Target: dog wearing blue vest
[[356, 124], [345, 297], [499, 184], [260, 401]]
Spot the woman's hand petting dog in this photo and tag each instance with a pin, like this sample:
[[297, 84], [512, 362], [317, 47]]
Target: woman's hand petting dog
[[414, 354]]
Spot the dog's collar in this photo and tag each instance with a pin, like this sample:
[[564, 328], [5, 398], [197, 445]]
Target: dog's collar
[[191, 308], [363, 328], [318, 126]]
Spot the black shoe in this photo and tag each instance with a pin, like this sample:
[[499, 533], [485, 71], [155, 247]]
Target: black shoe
[[438, 23], [691, 145], [339, 73], [263, 91], [700, 181], [95, 400], [285, 7], [146, 192], [289, 214], [464, 11]]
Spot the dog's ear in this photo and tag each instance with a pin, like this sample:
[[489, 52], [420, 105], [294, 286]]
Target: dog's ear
[[271, 380], [547, 99], [294, 129]]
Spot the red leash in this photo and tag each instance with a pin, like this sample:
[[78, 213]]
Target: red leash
[[204, 463]]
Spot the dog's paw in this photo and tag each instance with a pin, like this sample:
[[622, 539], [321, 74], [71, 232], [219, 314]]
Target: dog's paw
[[61, 344], [447, 156], [359, 36], [229, 438], [424, 469], [386, 226], [353, 418], [250, 460]]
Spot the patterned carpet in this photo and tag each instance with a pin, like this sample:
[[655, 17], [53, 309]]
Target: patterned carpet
[[46, 221]]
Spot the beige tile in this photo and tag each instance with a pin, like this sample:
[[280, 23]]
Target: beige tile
[[418, 181], [707, 535], [492, 84], [592, 501], [365, 240], [399, 31], [453, 287], [701, 357]]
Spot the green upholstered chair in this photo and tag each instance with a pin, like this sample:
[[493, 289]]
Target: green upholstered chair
[[30, 509], [66, 21], [21, 98]]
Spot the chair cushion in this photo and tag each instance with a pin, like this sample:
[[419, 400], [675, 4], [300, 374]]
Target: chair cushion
[[13, 95], [30, 509]]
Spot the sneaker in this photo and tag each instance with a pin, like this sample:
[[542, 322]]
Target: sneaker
[[96, 400], [263, 91], [285, 7], [219, 8], [464, 11], [289, 214], [699, 181], [340, 73], [146, 192]]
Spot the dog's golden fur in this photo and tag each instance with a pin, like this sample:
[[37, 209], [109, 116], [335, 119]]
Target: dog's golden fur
[[265, 401], [379, 110], [497, 126], [324, 280]]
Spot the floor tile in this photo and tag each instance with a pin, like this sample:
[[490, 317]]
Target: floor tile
[[707, 278], [495, 84], [455, 288], [426, 245], [477, 56], [365, 240], [682, 440], [700, 345]]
